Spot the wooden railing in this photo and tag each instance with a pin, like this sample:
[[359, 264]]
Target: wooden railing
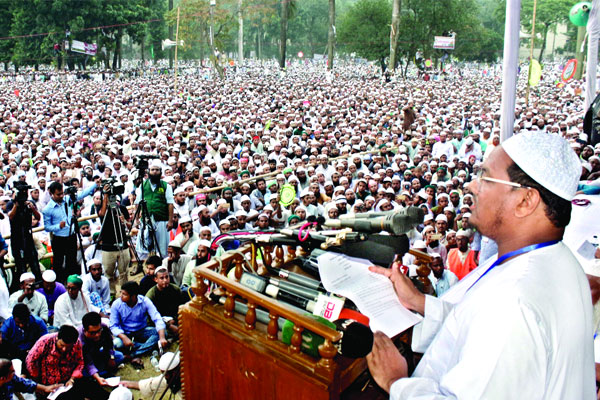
[[232, 289]]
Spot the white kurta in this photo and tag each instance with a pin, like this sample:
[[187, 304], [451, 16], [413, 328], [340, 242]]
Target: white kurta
[[70, 312], [524, 331]]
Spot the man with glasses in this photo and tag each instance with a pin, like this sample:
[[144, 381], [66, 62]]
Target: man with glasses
[[520, 325], [99, 356]]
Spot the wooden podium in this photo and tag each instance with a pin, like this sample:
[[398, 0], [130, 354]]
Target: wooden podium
[[231, 356]]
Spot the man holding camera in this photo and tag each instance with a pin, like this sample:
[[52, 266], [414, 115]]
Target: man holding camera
[[113, 236], [21, 238], [57, 220]]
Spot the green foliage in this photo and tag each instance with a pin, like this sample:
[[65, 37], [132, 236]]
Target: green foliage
[[364, 29], [548, 14]]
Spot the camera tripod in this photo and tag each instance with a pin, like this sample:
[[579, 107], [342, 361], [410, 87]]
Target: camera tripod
[[122, 240], [74, 227]]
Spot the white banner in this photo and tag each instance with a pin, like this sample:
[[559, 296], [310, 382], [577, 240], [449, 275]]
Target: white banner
[[444, 42], [81, 47]]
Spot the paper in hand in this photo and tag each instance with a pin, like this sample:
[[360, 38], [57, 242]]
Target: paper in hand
[[373, 294]]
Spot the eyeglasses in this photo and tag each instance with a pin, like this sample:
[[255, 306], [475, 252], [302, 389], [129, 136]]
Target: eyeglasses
[[494, 180]]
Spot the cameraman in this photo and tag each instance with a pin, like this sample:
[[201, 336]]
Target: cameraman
[[21, 237], [113, 240], [57, 221]]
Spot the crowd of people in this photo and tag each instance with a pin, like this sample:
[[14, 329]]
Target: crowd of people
[[213, 158]]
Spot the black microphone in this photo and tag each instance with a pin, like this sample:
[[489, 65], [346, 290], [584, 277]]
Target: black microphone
[[357, 339], [396, 222]]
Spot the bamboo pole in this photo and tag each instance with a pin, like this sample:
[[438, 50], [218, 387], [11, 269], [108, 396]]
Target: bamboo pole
[[531, 53], [176, 46]]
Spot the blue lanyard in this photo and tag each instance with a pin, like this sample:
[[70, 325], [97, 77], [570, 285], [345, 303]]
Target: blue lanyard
[[517, 252]]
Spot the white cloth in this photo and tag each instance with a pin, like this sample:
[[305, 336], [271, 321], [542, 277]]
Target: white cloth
[[37, 304], [5, 311], [70, 312], [523, 331], [102, 287]]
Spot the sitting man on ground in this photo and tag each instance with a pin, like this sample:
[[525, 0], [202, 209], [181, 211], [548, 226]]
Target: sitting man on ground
[[35, 301], [96, 286], [188, 239], [57, 359], [51, 290], [100, 358], [167, 298], [20, 332], [202, 256], [147, 281], [11, 383], [175, 262], [70, 307], [158, 385], [128, 323]]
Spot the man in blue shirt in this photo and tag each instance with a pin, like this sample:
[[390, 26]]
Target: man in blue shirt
[[57, 221], [445, 277], [128, 324], [10, 383], [20, 332]]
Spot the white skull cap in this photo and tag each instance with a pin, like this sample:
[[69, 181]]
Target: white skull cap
[[547, 159]]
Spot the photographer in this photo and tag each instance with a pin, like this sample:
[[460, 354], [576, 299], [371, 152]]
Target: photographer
[[113, 234], [21, 243], [57, 220]]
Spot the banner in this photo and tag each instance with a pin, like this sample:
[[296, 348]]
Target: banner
[[444, 42], [81, 47]]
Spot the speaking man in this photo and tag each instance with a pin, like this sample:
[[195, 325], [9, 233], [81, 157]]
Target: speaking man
[[520, 325]]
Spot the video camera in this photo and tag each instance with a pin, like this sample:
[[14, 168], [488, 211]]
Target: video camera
[[141, 161], [115, 189], [22, 192]]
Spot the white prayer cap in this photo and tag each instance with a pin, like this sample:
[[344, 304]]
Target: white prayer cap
[[26, 276], [49, 276], [156, 163], [175, 244], [548, 160], [203, 242], [441, 217], [419, 244], [178, 190], [94, 261], [462, 232], [168, 361], [184, 219]]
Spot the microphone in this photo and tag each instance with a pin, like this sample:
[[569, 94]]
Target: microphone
[[298, 279], [296, 289], [396, 222], [356, 341], [290, 298]]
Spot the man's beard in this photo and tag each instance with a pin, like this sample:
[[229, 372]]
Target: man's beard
[[205, 221], [302, 179], [200, 261], [101, 168], [154, 178]]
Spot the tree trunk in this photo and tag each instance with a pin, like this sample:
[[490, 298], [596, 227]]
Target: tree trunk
[[240, 34], [117, 52], [283, 32], [259, 44], [544, 40], [394, 34], [331, 36], [171, 37], [142, 50]]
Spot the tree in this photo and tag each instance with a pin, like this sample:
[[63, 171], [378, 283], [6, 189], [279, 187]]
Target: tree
[[363, 29], [548, 14]]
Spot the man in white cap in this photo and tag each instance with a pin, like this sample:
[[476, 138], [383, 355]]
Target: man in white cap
[[51, 290], [519, 326], [187, 238], [96, 286], [175, 262], [169, 365], [158, 196], [35, 301]]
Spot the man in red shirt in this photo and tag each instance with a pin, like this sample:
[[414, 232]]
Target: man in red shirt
[[461, 260], [57, 358]]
